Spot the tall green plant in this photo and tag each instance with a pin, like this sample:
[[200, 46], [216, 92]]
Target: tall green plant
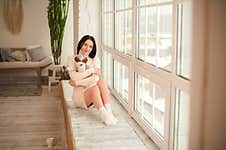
[[57, 16]]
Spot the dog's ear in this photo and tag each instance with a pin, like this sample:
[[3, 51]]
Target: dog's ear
[[77, 59], [85, 60]]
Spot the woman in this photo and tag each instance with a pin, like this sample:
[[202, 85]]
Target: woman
[[89, 89]]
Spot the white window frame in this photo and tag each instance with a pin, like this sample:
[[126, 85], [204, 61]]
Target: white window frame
[[170, 81]]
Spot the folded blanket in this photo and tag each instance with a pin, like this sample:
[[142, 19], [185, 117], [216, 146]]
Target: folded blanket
[[5, 54]]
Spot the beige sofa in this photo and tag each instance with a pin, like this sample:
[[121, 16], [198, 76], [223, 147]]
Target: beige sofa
[[38, 66]]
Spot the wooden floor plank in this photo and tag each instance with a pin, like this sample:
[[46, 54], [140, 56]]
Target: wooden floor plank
[[27, 121]]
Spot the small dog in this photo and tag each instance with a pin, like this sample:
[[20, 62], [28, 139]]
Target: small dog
[[80, 64]]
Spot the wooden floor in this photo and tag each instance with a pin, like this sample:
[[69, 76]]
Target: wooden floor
[[26, 122]]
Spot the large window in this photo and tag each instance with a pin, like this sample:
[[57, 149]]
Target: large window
[[150, 103], [121, 80], [123, 31], [107, 23], [107, 68], [123, 26], [184, 39], [155, 35], [146, 49], [181, 121]]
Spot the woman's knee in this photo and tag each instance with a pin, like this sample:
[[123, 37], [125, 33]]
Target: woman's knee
[[92, 91]]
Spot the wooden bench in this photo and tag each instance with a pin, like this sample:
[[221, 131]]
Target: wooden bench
[[66, 92], [85, 130]]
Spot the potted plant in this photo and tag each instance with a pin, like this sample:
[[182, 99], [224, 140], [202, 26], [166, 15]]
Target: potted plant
[[57, 16]]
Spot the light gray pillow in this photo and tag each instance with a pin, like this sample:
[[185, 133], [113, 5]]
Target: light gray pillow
[[36, 53], [18, 55]]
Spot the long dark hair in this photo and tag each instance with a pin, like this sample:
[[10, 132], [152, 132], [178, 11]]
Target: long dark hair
[[92, 54]]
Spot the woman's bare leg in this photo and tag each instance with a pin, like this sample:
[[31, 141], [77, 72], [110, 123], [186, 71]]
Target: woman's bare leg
[[104, 92], [92, 95], [105, 95]]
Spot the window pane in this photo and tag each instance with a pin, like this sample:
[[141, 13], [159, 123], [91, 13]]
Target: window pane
[[119, 31], [159, 109], [165, 37], [107, 67], [121, 80], [146, 2], [107, 36], [107, 5], [123, 32], [148, 35], [123, 4], [162, 1], [181, 134], [184, 40], [155, 36], [150, 103]]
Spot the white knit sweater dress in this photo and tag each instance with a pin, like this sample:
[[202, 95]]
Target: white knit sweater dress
[[78, 91]]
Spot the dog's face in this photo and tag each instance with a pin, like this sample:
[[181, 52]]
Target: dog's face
[[77, 59], [80, 64]]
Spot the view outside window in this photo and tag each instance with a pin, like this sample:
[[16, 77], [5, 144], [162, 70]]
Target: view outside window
[[148, 35], [121, 80], [150, 103], [181, 121], [123, 32], [155, 35], [147, 2], [123, 26], [184, 40], [122, 4], [107, 64], [107, 33], [107, 23], [107, 5]]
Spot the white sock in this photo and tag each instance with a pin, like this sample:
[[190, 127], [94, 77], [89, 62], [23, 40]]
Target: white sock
[[108, 108], [106, 117]]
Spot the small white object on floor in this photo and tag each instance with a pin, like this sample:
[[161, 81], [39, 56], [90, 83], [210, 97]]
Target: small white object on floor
[[51, 142]]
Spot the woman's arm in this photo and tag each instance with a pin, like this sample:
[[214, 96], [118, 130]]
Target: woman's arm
[[81, 75], [87, 82], [72, 83], [97, 71]]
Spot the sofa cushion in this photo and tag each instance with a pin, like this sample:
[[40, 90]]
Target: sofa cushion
[[18, 55], [5, 54], [36, 53], [27, 64]]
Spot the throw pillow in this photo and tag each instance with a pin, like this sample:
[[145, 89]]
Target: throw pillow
[[18, 55], [36, 53], [27, 55]]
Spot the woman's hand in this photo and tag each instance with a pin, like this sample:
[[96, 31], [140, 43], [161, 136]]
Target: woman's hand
[[72, 83], [97, 71]]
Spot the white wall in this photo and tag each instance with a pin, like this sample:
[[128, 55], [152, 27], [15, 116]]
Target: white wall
[[67, 47], [35, 29], [89, 19]]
